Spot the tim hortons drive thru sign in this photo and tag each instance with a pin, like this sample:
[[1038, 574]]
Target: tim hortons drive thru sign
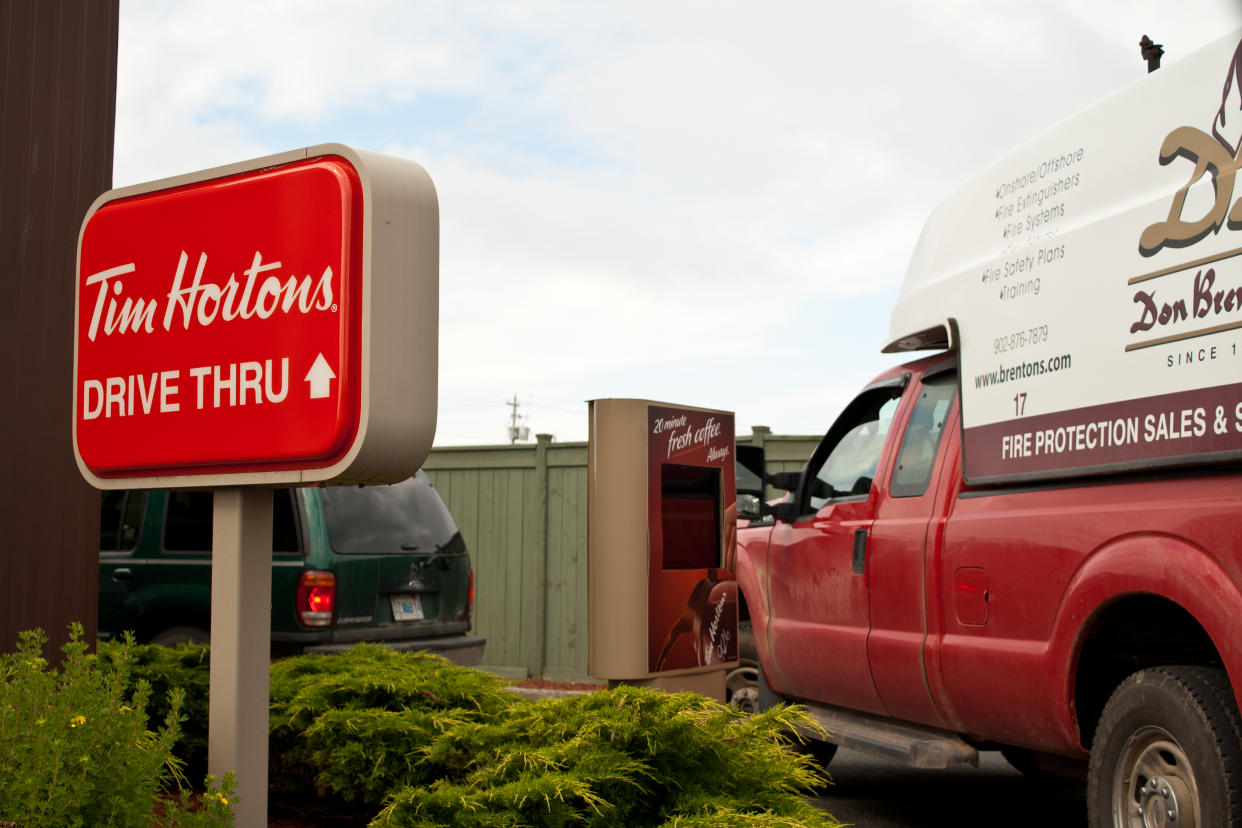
[[272, 322]]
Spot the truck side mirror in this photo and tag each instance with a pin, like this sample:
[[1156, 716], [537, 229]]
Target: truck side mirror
[[750, 506], [785, 481], [749, 467], [786, 511]]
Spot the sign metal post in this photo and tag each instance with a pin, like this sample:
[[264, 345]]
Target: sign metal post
[[241, 616]]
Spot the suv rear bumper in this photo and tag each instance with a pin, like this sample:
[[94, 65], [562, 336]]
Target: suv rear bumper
[[449, 639], [466, 650]]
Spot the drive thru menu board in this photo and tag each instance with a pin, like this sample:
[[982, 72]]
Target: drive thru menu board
[[691, 503], [1101, 270]]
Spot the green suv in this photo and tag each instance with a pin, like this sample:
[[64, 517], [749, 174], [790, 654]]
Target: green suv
[[378, 563]]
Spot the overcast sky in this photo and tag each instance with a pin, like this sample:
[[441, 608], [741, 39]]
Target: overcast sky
[[705, 203]]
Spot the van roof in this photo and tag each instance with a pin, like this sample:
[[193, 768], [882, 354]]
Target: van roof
[[1088, 247]]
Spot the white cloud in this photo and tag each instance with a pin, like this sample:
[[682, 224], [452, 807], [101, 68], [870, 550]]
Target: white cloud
[[629, 189]]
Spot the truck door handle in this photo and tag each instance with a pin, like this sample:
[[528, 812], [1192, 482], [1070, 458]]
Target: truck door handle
[[860, 550], [122, 574]]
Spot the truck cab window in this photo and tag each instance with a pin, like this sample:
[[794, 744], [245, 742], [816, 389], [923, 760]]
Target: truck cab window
[[921, 440], [844, 464]]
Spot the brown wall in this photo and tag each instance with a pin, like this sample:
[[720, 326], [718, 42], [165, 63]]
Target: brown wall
[[57, 108]]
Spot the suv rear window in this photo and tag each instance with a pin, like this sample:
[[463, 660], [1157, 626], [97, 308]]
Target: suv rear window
[[387, 520], [188, 522]]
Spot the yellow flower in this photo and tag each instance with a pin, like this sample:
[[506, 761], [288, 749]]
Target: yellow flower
[[77, 721]]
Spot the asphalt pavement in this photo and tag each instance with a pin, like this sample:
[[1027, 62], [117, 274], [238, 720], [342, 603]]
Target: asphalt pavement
[[878, 793]]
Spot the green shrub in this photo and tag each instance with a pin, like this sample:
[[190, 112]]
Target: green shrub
[[352, 724], [76, 746], [165, 670], [623, 757], [431, 743]]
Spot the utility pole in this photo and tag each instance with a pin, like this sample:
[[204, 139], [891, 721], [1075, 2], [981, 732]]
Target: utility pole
[[516, 432]]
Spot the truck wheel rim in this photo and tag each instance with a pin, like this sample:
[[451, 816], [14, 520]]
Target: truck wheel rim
[[742, 687], [1154, 786]]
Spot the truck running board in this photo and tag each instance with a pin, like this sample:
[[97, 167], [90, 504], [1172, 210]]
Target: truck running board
[[914, 745]]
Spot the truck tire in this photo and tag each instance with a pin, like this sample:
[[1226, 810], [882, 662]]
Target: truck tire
[[746, 649], [1167, 752], [822, 752], [742, 682], [742, 688]]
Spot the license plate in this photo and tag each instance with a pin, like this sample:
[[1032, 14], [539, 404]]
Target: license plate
[[406, 608]]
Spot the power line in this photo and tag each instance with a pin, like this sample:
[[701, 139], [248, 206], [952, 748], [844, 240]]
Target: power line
[[481, 402], [578, 411], [558, 400]]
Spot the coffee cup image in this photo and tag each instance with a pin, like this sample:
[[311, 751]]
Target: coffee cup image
[[709, 619]]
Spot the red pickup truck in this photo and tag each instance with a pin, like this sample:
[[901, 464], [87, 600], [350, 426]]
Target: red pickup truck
[[1031, 540]]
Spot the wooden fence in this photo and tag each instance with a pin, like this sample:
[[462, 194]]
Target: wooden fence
[[523, 512]]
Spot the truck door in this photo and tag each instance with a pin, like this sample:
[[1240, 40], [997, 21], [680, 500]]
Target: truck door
[[907, 521], [819, 616]]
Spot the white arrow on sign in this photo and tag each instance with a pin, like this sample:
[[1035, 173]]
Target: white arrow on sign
[[320, 377]]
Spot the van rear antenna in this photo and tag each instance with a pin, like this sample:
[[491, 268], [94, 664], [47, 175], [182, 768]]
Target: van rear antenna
[[1152, 53]]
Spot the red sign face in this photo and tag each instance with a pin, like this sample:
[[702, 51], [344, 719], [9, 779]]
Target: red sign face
[[219, 325]]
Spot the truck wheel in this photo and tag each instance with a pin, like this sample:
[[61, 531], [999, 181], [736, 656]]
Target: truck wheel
[[181, 635], [1167, 752], [821, 752], [746, 649], [742, 682], [742, 688]]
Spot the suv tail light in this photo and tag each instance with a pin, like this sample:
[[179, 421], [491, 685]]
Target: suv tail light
[[470, 595], [316, 598]]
